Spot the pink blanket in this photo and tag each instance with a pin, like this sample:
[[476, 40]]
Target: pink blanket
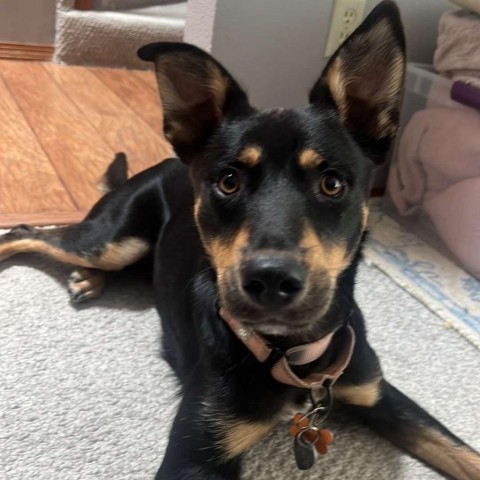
[[458, 46], [438, 170]]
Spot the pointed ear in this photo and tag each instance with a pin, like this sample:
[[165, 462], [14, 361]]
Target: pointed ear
[[364, 79], [196, 92]]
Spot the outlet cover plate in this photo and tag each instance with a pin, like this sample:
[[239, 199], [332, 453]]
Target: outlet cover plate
[[347, 15]]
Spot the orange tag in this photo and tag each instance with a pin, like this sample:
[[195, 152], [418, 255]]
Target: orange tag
[[298, 425], [323, 437]]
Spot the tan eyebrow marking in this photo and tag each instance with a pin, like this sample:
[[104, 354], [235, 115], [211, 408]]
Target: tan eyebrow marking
[[309, 159], [250, 156]]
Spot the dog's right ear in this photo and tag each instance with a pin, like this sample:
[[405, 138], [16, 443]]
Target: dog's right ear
[[196, 92]]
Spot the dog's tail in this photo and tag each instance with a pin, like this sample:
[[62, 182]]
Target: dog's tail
[[116, 174]]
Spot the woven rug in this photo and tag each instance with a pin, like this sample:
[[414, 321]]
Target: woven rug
[[436, 281]]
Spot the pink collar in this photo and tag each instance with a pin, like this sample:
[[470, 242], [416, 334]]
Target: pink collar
[[300, 355]]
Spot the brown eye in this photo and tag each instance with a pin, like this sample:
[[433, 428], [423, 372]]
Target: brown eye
[[331, 185], [229, 182]]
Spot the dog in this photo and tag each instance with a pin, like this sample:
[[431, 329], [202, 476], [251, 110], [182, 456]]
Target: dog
[[255, 236]]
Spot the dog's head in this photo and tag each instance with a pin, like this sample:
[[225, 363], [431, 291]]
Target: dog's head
[[281, 194]]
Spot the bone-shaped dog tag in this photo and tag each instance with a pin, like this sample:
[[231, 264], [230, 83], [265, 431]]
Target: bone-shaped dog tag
[[305, 453]]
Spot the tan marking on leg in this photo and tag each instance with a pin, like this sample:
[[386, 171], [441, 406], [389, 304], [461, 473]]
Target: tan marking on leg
[[27, 245], [7, 250], [431, 446], [114, 256], [366, 395], [240, 435], [309, 159], [250, 156], [118, 255]]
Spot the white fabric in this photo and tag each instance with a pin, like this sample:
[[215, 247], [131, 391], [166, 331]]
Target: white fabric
[[437, 170], [457, 55]]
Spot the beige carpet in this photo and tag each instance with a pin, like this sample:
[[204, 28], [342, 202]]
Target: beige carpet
[[84, 394]]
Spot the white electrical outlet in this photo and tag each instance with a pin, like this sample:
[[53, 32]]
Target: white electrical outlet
[[346, 17]]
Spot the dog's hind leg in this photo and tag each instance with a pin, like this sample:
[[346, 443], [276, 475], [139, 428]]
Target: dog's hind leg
[[67, 245], [120, 230], [80, 245], [394, 416]]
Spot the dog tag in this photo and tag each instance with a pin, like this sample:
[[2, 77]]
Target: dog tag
[[305, 454], [309, 439]]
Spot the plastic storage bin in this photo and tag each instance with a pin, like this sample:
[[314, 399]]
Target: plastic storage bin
[[433, 185]]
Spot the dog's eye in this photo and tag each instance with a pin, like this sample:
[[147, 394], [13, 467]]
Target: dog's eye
[[229, 182], [331, 185]]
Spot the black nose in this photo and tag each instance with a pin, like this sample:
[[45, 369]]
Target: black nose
[[273, 281]]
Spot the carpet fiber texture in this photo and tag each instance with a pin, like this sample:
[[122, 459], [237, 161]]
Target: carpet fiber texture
[[84, 394]]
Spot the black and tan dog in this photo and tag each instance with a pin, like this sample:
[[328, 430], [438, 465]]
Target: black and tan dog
[[263, 228]]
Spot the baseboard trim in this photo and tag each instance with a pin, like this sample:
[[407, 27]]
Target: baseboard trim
[[26, 51], [9, 220]]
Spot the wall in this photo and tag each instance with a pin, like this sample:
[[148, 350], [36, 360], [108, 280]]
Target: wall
[[420, 18], [199, 23], [275, 47], [27, 21]]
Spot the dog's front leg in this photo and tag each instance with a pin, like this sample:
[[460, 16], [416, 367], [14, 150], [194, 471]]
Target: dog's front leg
[[207, 440], [397, 418], [196, 449], [366, 394]]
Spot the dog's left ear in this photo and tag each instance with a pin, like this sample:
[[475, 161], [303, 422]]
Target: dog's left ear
[[363, 80], [196, 92]]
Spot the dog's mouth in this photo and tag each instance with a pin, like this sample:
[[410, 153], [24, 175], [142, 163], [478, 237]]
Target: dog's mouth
[[273, 326], [282, 324]]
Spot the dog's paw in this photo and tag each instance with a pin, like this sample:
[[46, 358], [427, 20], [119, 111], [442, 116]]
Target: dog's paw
[[85, 284]]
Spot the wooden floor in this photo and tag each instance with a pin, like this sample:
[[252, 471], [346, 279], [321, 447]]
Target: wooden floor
[[60, 128]]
